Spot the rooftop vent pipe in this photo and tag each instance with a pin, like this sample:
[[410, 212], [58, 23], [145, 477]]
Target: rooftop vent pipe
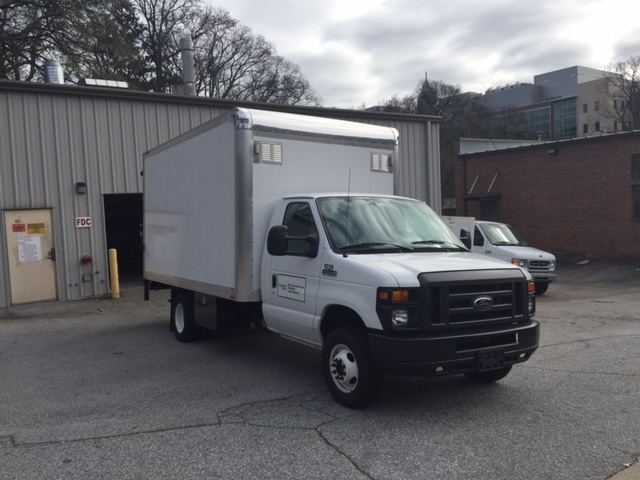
[[188, 66], [53, 72]]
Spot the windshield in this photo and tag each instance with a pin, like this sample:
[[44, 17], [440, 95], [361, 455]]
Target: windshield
[[503, 235], [371, 224]]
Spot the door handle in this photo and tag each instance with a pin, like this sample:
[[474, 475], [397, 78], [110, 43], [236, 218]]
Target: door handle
[[52, 255], [274, 281]]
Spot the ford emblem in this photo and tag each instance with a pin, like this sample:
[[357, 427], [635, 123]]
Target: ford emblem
[[484, 302]]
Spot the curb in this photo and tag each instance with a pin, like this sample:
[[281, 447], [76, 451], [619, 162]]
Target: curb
[[630, 473]]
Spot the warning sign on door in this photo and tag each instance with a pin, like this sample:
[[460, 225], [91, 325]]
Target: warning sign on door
[[29, 248], [35, 228]]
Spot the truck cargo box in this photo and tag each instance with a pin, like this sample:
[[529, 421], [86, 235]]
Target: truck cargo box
[[209, 194]]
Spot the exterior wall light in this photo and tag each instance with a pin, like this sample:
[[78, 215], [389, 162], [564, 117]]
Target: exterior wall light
[[81, 188]]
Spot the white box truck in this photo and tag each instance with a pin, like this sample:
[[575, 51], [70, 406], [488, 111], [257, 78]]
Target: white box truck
[[291, 220]]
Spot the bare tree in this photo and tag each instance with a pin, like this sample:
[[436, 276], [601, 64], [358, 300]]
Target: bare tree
[[138, 41], [280, 81], [163, 23], [623, 89], [31, 31], [396, 104], [232, 62], [108, 44]]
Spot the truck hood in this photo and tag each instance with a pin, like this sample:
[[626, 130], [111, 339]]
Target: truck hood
[[525, 253], [405, 267]]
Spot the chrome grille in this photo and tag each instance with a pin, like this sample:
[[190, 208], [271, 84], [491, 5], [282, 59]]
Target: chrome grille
[[539, 265]]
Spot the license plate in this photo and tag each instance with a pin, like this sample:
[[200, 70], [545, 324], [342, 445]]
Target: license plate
[[490, 360]]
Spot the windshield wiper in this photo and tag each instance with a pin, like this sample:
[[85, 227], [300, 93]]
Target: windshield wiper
[[436, 242], [430, 242], [360, 246]]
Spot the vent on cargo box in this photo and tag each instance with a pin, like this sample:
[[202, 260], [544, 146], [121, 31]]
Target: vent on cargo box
[[270, 152], [380, 162]]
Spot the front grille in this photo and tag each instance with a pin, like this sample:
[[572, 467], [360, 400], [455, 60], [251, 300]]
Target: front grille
[[451, 296], [541, 265]]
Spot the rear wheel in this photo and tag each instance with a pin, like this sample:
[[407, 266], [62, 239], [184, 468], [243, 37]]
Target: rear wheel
[[489, 376], [182, 323], [348, 367]]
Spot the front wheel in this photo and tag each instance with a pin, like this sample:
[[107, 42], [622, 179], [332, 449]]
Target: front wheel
[[348, 367], [489, 376], [541, 287]]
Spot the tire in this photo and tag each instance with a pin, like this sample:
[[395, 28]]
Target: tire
[[489, 376], [541, 287], [182, 323], [348, 367]]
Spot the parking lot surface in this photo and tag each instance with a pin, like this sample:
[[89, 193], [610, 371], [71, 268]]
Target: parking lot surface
[[101, 389]]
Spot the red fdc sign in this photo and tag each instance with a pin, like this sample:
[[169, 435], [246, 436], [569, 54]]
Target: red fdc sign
[[83, 222]]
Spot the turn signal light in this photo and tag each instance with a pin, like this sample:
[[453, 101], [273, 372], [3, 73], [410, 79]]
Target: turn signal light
[[531, 287], [399, 296], [395, 296]]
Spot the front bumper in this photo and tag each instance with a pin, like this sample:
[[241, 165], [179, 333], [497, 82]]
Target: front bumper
[[448, 354], [543, 276]]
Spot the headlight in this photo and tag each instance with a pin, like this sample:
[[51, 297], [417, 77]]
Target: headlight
[[400, 318], [519, 262]]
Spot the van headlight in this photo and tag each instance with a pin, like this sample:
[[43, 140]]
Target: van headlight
[[519, 262]]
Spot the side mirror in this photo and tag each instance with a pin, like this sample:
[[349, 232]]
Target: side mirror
[[277, 240], [466, 238], [278, 243]]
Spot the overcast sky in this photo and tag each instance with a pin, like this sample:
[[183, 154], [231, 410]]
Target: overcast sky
[[356, 52]]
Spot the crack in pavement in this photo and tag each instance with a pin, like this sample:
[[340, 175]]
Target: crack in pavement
[[277, 413], [242, 414]]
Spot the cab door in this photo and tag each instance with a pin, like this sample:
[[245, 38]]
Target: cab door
[[291, 286]]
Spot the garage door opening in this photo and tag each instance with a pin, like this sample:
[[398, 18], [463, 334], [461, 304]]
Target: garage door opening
[[123, 223]]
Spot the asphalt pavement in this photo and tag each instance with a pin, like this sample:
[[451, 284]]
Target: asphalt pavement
[[100, 388]]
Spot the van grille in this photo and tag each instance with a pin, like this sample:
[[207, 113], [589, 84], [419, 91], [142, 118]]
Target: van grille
[[540, 265], [459, 300]]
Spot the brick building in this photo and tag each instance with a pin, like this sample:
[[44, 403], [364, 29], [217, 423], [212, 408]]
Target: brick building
[[578, 196]]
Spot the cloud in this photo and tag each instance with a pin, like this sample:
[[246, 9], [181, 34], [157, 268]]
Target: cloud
[[365, 51]]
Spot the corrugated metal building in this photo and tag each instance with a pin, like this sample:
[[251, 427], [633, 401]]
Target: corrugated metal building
[[70, 183]]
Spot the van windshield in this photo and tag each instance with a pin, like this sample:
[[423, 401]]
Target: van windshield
[[500, 234], [374, 224]]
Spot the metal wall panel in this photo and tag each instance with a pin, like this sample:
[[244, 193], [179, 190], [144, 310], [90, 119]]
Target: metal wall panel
[[53, 136]]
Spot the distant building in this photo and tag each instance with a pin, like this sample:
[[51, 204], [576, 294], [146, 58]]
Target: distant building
[[571, 197], [563, 104]]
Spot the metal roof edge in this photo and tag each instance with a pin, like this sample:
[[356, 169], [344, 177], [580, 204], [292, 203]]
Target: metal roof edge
[[127, 94]]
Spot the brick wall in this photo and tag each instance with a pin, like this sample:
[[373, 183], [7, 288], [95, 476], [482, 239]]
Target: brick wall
[[578, 200]]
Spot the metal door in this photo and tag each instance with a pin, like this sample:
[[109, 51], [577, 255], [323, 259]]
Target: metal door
[[31, 254]]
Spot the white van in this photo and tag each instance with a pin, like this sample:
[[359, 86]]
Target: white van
[[504, 242]]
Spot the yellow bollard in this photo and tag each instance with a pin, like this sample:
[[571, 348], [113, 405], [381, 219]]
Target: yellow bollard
[[113, 268]]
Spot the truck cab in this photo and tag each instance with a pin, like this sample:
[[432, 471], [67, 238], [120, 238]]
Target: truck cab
[[502, 241], [382, 286]]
